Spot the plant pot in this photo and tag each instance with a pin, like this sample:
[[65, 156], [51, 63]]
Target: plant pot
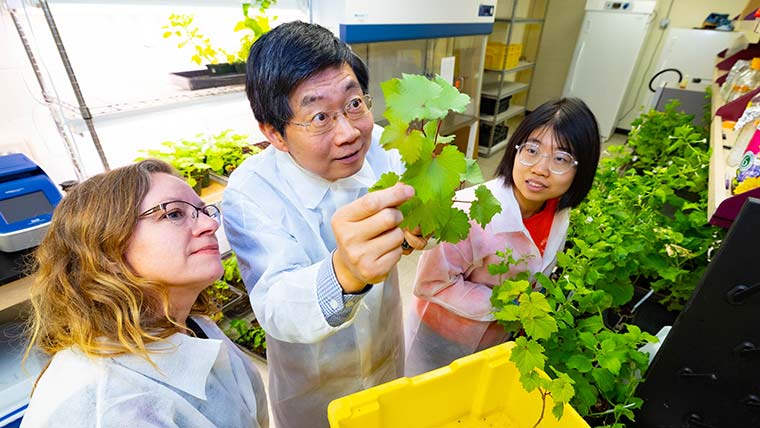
[[649, 314], [221, 68], [198, 187], [205, 179], [239, 67]]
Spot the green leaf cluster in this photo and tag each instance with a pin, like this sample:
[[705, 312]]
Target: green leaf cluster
[[220, 153], [219, 292], [645, 220], [203, 50], [416, 107], [561, 331], [248, 334]]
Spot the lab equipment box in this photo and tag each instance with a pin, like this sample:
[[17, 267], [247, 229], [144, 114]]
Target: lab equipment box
[[501, 133]]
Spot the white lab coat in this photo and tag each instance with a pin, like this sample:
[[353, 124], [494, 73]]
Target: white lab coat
[[451, 314], [200, 383], [276, 217]]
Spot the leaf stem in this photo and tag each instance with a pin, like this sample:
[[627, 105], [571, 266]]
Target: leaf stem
[[543, 406], [612, 410]]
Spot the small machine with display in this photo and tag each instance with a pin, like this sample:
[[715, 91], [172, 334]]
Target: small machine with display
[[27, 200]]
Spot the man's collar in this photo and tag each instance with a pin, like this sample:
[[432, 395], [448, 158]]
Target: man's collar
[[311, 188]]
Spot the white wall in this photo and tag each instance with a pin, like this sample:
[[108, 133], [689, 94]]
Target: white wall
[[563, 22], [683, 14]]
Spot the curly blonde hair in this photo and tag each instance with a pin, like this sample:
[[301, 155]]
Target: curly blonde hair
[[84, 293]]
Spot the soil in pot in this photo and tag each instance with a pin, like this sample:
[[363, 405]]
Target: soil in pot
[[649, 314], [221, 68]]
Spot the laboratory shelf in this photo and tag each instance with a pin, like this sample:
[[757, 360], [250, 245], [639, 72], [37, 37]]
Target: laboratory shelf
[[522, 65], [491, 90], [487, 151], [455, 121], [511, 112], [519, 20], [179, 98]]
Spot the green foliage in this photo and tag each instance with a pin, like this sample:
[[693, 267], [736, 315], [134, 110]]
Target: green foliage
[[594, 368], [186, 156], [181, 27], [253, 26], [203, 51], [247, 334], [220, 153], [416, 106], [219, 292], [226, 151], [645, 219]]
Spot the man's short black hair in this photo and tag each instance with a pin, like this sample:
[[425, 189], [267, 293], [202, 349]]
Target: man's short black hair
[[577, 133], [285, 57]]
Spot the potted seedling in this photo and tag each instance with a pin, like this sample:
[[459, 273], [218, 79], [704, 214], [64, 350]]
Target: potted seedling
[[187, 157], [226, 151], [181, 27], [249, 335]]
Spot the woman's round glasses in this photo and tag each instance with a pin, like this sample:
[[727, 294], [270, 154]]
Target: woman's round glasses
[[181, 212], [560, 162], [324, 122]]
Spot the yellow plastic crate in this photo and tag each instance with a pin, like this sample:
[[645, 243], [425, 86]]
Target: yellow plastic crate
[[495, 53], [480, 390]]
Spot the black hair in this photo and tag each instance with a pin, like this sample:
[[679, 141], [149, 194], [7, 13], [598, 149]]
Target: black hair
[[286, 56], [577, 133]]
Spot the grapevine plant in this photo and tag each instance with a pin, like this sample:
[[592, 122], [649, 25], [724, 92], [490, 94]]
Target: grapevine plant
[[561, 329], [415, 109]]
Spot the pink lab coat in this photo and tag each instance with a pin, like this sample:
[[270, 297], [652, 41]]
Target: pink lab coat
[[451, 313]]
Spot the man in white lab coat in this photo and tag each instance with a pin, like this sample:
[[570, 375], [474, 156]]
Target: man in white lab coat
[[318, 253]]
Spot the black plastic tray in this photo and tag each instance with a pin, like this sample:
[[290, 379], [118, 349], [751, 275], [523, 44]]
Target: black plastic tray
[[202, 79]]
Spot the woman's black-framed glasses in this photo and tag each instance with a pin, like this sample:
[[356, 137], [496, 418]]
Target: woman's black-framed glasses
[[180, 212], [560, 162], [324, 122]]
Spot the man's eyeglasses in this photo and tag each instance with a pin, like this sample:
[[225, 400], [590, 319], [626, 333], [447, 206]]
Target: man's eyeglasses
[[324, 122], [560, 162], [181, 212]]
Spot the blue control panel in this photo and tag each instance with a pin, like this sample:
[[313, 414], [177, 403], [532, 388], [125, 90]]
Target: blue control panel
[[27, 195]]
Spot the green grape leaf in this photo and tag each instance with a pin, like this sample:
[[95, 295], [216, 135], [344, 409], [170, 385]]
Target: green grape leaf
[[472, 174], [484, 207], [507, 313], [438, 177], [605, 380], [611, 357], [456, 227], [580, 362], [425, 215], [448, 99], [395, 136], [528, 355], [388, 179], [532, 380], [407, 96]]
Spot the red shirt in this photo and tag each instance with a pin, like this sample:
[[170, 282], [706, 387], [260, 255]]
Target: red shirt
[[540, 225]]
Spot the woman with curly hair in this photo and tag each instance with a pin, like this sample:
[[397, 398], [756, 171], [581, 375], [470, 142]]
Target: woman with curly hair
[[118, 303]]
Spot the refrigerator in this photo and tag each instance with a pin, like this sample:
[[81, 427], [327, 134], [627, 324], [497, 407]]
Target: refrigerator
[[605, 56]]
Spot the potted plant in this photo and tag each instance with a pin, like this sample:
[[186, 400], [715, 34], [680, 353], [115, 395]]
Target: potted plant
[[186, 156], [249, 335], [217, 60], [560, 330], [226, 151]]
